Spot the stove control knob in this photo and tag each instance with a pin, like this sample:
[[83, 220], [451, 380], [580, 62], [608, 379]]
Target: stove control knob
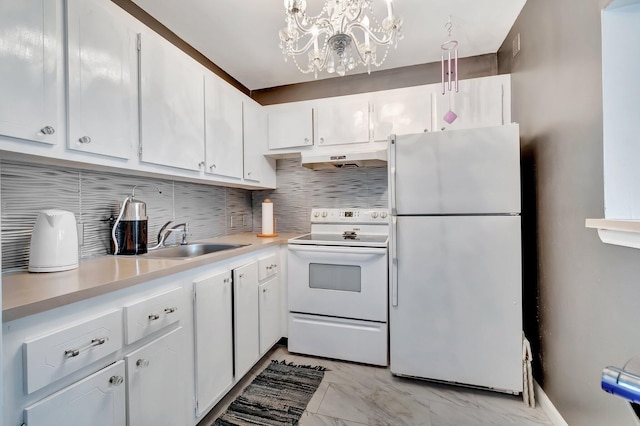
[[383, 214], [316, 214], [374, 214], [324, 214]]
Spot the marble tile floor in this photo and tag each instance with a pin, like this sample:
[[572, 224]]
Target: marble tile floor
[[354, 395]]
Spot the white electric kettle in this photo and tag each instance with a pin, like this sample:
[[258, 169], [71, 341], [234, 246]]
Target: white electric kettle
[[54, 242]]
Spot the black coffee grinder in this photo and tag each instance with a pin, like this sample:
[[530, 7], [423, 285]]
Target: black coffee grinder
[[129, 232]]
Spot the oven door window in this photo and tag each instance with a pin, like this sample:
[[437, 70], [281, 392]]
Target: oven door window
[[335, 277]]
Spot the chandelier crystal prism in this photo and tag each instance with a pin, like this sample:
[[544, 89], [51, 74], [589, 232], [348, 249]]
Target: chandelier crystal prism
[[344, 35]]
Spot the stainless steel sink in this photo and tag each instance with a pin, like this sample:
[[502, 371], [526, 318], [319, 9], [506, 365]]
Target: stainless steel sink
[[190, 250]]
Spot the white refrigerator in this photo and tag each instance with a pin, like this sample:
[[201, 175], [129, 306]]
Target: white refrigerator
[[455, 257]]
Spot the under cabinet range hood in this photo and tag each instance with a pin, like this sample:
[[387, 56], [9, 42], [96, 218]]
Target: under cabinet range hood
[[318, 161]]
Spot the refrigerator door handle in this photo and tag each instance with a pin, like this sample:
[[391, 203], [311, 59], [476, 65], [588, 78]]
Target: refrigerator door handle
[[392, 174], [394, 261]]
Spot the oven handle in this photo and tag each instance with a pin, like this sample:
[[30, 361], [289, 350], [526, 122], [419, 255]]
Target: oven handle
[[394, 261], [338, 249]]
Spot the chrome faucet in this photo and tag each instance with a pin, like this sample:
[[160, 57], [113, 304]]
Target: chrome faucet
[[165, 232]]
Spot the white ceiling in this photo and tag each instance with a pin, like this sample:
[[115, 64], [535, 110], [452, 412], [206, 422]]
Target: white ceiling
[[241, 37]]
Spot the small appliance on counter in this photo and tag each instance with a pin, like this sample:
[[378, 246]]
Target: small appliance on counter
[[129, 232], [54, 242]]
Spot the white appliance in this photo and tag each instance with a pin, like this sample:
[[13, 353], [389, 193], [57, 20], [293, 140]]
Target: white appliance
[[455, 257], [54, 242], [338, 286]]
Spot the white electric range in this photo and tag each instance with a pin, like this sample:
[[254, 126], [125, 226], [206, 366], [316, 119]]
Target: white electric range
[[338, 286]]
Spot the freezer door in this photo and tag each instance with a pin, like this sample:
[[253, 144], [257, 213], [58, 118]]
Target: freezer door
[[458, 312], [456, 172]]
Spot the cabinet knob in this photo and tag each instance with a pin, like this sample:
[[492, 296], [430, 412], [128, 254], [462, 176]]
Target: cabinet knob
[[241, 276], [142, 363], [248, 173], [306, 140], [85, 139], [116, 380], [154, 317], [321, 140], [201, 164], [170, 310], [211, 167], [47, 130], [226, 280], [264, 290]]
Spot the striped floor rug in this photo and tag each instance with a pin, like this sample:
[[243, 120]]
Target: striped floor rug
[[278, 396]]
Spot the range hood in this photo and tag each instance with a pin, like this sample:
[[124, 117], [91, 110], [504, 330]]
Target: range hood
[[344, 160]]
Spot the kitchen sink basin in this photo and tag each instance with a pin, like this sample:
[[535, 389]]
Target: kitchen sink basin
[[190, 250]]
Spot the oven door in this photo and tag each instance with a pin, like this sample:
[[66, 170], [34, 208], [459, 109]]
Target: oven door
[[347, 282]]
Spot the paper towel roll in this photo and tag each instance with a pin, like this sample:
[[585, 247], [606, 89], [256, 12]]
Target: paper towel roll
[[267, 217]]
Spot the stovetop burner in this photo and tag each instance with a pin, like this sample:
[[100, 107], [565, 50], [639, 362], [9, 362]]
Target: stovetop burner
[[350, 235]]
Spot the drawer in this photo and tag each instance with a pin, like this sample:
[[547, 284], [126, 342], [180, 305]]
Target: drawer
[[95, 400], [58, 354], [268, 266], [152, 314]]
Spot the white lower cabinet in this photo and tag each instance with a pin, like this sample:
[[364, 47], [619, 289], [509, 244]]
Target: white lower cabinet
[[270, 306], [246, 318], [96, 400], [270, 315], [213, 333], [156, 382]]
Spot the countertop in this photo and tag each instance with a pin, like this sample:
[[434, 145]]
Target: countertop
[[25, 293]]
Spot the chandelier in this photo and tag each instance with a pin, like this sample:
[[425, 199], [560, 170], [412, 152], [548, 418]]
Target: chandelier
[[345, 34]]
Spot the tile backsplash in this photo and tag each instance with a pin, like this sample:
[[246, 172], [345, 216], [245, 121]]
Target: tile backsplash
[[301, 189], [93, 197], [211, 211]]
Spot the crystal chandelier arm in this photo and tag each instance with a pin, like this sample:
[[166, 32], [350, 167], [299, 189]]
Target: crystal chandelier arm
[[388, 39]]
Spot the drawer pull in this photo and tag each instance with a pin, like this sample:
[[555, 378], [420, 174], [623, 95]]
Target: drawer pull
[[116, 380], [142, 363], [170, 310], [70, 353], [154, 317]]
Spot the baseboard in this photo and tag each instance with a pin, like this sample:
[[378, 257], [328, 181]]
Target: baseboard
[[548, 407]]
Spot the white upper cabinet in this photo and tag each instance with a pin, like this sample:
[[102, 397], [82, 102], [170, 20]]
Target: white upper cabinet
[[257, 167], [480, 102], [102, 79], [400, 111], [290, 125], [223, 134], [342, 120], [29, 80], [171, 105]]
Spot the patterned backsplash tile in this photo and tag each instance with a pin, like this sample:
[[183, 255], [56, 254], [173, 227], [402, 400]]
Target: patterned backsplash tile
[[211, 211], [301, 189]]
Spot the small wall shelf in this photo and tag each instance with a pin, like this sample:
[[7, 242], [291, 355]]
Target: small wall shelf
[[616, 231]]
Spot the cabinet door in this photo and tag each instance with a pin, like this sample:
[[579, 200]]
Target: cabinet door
[[246, 318], [257, 167], [96, 400], [223, 134], [342, 120], [270, 329], [102, 79], [290, 125], [171, 105], [156, 383], [213, 329], [29, 70], [480, 102], [401, 111]]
